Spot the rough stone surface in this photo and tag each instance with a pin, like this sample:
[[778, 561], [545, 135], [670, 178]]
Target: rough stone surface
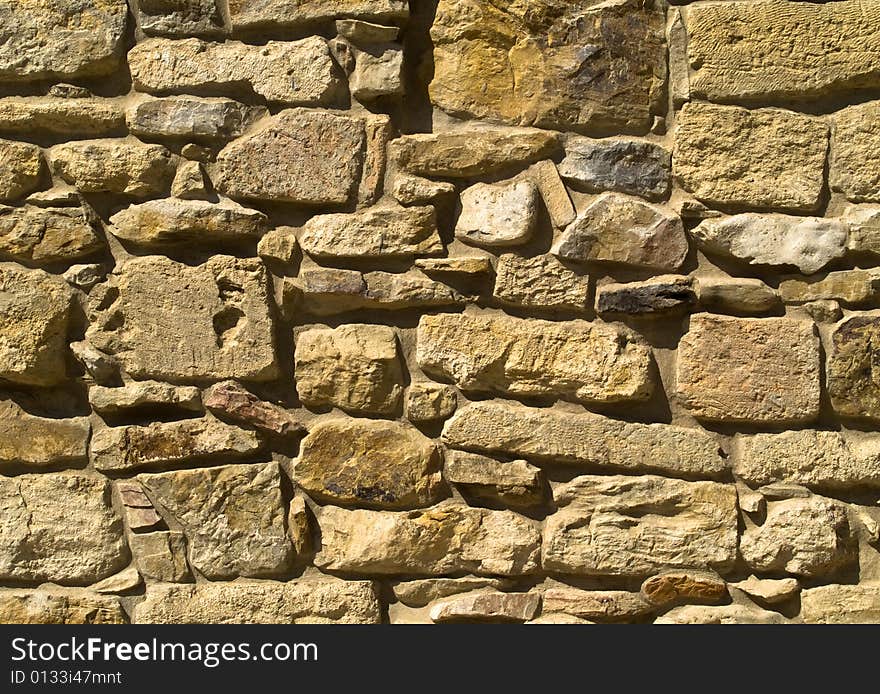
[[808, 243], [841, 604], [21, 169], [854, 167], [144, 394], [658, 296], [232, 400], [354, 367], [723, 614], [35, 311], [59, 527], [591, 362], [161, 556], [602, 529], [732, 157], [837, 53], [47, 235], [180, 19], [132, 447], [258, 14], [737, 295], [232, 516], [514, 484], [850, 287], [526, 65], [307, 157], [618, 229], [634, 167], [193, 118], [60, 39], [852, 367], [368, 463], [59, 606], [540, 282], [430, 402], [583, 439], [420, 592], [749, 369], [38, 441], [70, 118], [595, 605], [672, 587], [768, 590], [440, 540], [486, 606], [305, 601], [298, 73], [217, 326], [556, 199], [502, 214], [376, 232]]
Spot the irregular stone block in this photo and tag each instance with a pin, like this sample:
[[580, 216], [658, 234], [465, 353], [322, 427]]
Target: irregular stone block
[[817, 459], [353, 367], [59, 527], [596, 605], [47, 235], [85, 276], [768, 590], [366, 32], [161, 556], [808, 243], [378, 72], [376, 464], [233, 400], [463, 265], [125, 581], [623, 230], [515, 483], [180, 18], [584, 439], [556, 199], [253, 14], [218, 326], [192, 118], [540, 282], [232, 516], [430, 402], [590, 362], [500, 214], [486, 606], [144, 394], [140, 515], [720, 614], [763, 159], [422, 591], [375, 232], [602, 527], [471, 151], [132, 447], [762, 370], [124, 167], [171, 221], [292, 73], [34, 316], [440, 540], [864, 228], [278, 244], [39, 441], [807, 50], [190, 182], [635, 167], [850, 287], [854, 167], [805, 537], [841, 604], [415, 190], [69, 118], [852, 367], [526, 64], [305, 601], [657, 296], [61, 39], [671, 587], [21, 169], [307, 157], [59, 606], [735, 295], [299, 526]]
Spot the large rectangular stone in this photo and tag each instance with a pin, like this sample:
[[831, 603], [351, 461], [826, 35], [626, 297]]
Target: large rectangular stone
[[259, 14], [26, 439], [637, 526]]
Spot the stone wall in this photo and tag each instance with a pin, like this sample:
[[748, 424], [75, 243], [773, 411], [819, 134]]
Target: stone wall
[[450, 310]]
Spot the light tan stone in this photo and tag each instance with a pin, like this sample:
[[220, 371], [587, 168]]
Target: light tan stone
[[596, 605], [619, 229], [841, 604], [459, 265], [70, 118], [745, 296], [540, 282], [415, 190], [34, 316], [852, 366], [39, 441], [254, 14], [233, 517], [672, 587], [732, 157], [553, 192], [21, 169], [278, 244], [122, 166], [299, 526], [864, 228], [47, 235], [430, 402], [486, 606], [807, 50], [768, 590], [374, 464], [515, 483], [584, 439], [53, 605], [854, 167], [375, 232], [305, 601], [161, 556], [125, 581], [525, 64], [59, 527], [440, 540], [559, 618], [190, 182], [191, 441], [144, 394], [300, 156], [498, 214], [601, 527], [354, 367], [293, 73], [749, 369], [192, 118], [590, 362], [422, 591], [175, 322], [720, 614]]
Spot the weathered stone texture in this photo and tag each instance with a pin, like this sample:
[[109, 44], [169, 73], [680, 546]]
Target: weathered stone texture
[[59, 606], [69, 118], [21, 169], [841, 604], [192, 118], [247, 14], [47, 235], [591, 362], [541, 282], [635, 167], [39, 441], [851, 367]]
